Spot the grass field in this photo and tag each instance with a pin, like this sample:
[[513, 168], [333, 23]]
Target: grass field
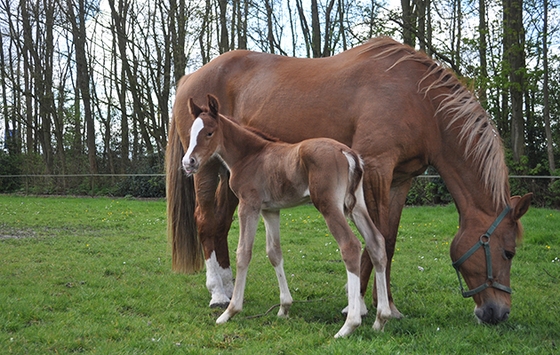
[[93, 275]]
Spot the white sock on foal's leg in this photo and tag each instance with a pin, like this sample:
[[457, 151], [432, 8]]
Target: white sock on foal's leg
[[353, 318]]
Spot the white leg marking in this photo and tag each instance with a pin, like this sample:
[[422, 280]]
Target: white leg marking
[[285, 296], [196, 127], [383, 310], [215, 277], [248, 221], [375, 245], [363, 308], [274, 252], [353, 319]]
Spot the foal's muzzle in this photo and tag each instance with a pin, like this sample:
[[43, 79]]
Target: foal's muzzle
[[190, 166]]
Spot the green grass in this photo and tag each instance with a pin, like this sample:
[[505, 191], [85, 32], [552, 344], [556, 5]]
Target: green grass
[[83, 275]]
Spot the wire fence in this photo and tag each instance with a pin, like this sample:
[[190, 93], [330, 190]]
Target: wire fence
[[425, 190]]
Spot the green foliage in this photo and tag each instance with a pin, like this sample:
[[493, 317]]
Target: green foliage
[[9, 165], [144, 186], [428, 191], [92, 275], [546, 192]]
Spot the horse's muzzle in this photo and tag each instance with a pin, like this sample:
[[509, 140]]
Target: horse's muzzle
[[491, 313]]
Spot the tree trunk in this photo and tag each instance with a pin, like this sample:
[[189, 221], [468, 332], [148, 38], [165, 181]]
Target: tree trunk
[[269, 26], [514, 43], [78, 24], [315, 30], [223, 33], [546, 106], [408, 22], [304, 28], [328, 33], [242, 24], [482, 47]]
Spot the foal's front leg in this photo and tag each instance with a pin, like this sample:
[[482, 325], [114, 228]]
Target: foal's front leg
[[274, 252], [248, 221]]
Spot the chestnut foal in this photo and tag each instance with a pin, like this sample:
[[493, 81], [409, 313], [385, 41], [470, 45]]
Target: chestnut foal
[[268, 175]]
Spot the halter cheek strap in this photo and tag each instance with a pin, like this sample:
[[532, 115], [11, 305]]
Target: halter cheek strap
[[484, 243]]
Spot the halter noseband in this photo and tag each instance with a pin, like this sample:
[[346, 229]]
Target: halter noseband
[[483, 242]]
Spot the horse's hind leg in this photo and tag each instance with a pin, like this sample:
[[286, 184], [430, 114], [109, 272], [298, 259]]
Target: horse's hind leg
[[375, 246], [215, 207], [274, 252]]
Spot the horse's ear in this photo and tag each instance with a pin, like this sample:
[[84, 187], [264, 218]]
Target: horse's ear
[[213, 104], [520, 205], [193, 108]]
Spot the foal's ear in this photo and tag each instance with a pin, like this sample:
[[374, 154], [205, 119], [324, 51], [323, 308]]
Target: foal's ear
[[193, 108], [213, 104]]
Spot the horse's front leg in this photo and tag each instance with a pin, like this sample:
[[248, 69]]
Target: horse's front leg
[[214, 213], [248, 221], [375, 246], [385, 208], [274, 252]]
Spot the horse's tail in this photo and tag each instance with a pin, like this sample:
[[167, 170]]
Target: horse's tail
[[355, 175], [187, 255]]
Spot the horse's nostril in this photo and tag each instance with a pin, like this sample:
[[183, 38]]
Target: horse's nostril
[[492, 314], [505, 316], [192, 161]]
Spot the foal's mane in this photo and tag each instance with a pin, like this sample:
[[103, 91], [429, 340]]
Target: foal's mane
[[478, 134], [253, 130], [256, 131]]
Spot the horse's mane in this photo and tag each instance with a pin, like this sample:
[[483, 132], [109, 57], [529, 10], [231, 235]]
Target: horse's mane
[[478, 133]]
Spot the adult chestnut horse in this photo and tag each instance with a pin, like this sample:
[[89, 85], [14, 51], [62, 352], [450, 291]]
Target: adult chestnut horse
[[399, 110]]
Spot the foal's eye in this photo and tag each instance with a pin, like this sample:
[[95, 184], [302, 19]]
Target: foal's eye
[[209, 134], [509, 254]]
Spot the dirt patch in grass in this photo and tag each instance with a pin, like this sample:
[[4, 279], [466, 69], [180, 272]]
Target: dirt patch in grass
[[13, 233]]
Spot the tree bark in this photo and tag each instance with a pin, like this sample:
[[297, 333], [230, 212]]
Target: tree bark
[[482, 47], [514, 43], [546, 105], [315, 30], [78, 24]]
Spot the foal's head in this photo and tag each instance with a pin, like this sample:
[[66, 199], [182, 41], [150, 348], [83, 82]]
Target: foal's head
[[203, 140]]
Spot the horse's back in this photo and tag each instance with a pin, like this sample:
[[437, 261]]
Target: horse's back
[[351, 97]]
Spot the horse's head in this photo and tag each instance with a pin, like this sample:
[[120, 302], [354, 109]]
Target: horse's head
[[482, 252], [203, 140]]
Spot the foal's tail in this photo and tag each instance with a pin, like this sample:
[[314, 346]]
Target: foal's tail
[[187, 255], [355, 175]]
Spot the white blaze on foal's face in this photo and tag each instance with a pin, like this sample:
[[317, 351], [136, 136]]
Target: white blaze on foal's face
[[197, 126]]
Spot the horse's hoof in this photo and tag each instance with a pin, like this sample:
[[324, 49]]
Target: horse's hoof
[[396, 314]]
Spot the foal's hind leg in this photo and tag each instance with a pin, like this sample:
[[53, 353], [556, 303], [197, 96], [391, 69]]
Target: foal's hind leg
[[375, 245], [274, 252], [350, 248]]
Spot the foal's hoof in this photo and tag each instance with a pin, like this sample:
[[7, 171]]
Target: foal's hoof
[[222, 305]]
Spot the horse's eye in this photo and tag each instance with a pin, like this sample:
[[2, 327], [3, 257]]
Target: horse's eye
[[209, 134], [509, 254]]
